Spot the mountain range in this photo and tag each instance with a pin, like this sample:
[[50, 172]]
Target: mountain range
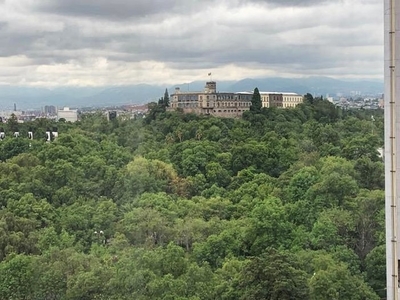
[[36, 97]]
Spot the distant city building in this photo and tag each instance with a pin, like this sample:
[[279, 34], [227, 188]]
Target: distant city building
[[6, 114], [70, 115], [227, 104], [50, 110], [112, 115], [381, 103]]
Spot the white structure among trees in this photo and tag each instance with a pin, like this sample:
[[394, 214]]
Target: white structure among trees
[[70, 115]]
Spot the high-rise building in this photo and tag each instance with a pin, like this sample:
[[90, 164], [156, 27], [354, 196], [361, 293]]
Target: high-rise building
[[50, 110]]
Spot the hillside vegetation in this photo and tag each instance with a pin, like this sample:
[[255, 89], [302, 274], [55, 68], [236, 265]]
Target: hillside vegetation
[[281, 204]]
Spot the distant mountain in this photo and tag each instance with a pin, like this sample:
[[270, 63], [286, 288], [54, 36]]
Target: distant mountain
[[312, 85], [120, 95], [35, 98]]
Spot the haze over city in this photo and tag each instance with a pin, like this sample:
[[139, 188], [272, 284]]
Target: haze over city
[[53, 43]]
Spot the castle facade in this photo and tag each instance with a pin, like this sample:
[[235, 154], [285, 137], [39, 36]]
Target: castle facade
[[225, 104]]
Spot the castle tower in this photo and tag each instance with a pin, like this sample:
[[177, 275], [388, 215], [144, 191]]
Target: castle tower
[[211, 87]]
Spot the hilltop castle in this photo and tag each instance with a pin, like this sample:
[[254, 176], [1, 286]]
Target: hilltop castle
[[211, 102]]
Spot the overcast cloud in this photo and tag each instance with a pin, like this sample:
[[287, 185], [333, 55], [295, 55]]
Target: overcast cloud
[[102, 42]]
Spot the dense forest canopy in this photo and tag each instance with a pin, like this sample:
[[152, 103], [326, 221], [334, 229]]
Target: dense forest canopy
[[281, 204]]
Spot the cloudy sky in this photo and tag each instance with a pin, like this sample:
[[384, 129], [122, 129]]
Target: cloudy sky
[[113, 42]]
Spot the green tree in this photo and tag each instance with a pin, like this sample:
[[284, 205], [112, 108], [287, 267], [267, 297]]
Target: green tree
[[368, 216], [146, 227], [370, 174], [145, 175], [274, 275], [17, 278], [11, 147], [375, 267], [308, 99], [333, 280], [268, 226], [256, 103], [166, 98], [333, 227], [12, 123]]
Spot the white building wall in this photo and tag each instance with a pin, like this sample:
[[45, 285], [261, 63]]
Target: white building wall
[[70, 115]]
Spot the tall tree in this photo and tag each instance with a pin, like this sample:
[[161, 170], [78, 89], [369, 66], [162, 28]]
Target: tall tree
[[308, 99], [256, 103], [12, 123], [166, 98]]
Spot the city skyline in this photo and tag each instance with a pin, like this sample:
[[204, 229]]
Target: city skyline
[[97, 43]]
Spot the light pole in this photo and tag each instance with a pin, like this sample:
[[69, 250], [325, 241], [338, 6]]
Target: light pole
[[392, 143]]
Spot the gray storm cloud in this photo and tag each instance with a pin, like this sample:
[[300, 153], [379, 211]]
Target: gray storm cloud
[[116, 9], [91, 42]]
